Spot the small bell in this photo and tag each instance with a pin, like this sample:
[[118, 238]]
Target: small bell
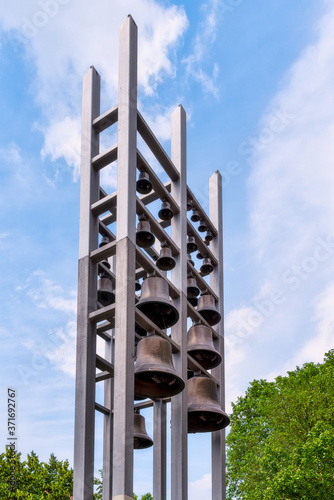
[[165, 212], [141, 439], [192, 288], [140, 330], [137, 286], [209, 236], [200, 256], [106, 263], [105, 293], [193, 301], [204, 411], [206, 267], [155, 303], [207, 309], [189, 204], [202, 226], [166, 261], [191, 244], [189, 259], [195, 216], [143, 184], [144, 237], [201, 348], [155, 375], [104, 241]]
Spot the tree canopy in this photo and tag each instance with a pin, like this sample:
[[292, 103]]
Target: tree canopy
[[281, 440]]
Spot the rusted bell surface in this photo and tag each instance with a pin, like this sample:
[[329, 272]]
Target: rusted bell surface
[[191, 244], [201, 348], [207, 309], [141, 439], [105, 293], [165, 212], [192, 288], [155, 303], [143, 184], [155, 375], [166, 261], [204, 411], [202, 226], [144, 237], [206, 267], [195, 216]]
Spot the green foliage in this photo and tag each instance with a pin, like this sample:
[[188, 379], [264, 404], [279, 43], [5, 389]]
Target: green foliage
[[281, 439], [32, 479]]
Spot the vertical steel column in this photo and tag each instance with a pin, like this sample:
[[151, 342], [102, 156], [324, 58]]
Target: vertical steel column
[[159, 450], [125, 264], [179, 465], [217, 284], [108, 425], [87, 284]]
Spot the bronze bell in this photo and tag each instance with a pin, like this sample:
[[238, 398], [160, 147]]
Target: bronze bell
[[192, 288], [189, 259], [193, 301], [155, 303], [207, 309], [206, 267], [104, 241], [195, 215], [200, 256], [155, 375], [106, 263], [165, 212], [189, 204], [137, 286], [202, 226], [144, 237], [209, 236], [140, 330], [201, 348], [143, 184], [141, 439], [105, 293], [191, 244], [204, 411], [166, 261]]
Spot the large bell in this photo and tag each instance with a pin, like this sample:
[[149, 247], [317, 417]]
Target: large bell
[[143, 184], [105, 293], [201, 348], [144, 237], [192, 288], [202, 226], [206, 267], [204, 411], [155, 303], [165, 212], [141, 439], [207, 309], [166, 261], [191, 244], [155, 375]]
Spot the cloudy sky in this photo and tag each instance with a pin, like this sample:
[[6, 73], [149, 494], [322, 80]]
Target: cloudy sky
[[256, 79]]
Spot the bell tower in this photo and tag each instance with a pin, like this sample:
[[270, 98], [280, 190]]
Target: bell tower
[[139, 290]]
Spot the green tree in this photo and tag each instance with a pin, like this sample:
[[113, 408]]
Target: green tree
[[281, 439]]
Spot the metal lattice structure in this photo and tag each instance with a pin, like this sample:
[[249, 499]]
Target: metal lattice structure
[[115, 323]]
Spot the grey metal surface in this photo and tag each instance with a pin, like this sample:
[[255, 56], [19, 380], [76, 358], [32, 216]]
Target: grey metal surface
[[87, 283], [216, 281], [179, 437], [159, 450]]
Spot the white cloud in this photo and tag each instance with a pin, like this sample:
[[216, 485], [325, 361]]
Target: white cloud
[[200, 489], [63, 38], [62, 351]]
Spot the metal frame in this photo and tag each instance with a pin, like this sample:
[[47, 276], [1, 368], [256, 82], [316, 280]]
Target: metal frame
[[116, 323]]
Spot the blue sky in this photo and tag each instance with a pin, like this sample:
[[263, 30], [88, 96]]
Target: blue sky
[[256, 79]]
